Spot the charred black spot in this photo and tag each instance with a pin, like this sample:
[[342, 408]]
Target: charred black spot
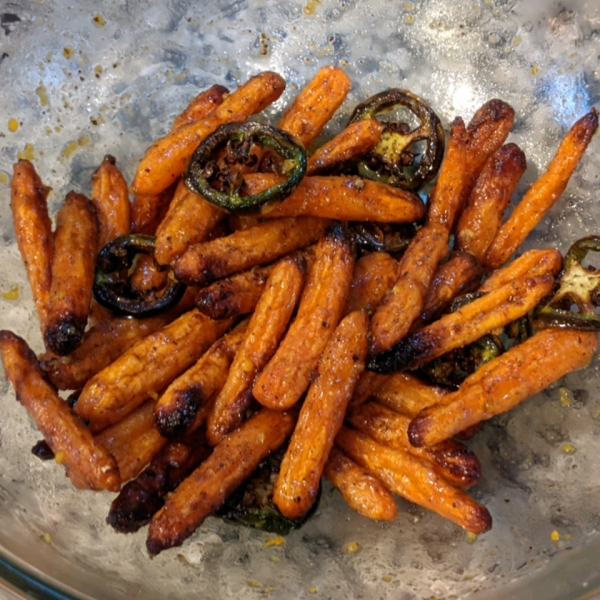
[[403, 355], [175, 423], [65, 336], [42, 450], [341, 234]]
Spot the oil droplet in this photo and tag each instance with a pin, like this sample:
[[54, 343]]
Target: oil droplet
[[312, 590], [311, 7], [4, 177], [99, 20], [13, 125], [46, 538], [42, 94], [535, 69], [28, 153], [493, 39], [568, 449], [409, 5], [386, 578], [68, 52], [254, 583], [352, 547], [566, 397], [276, 541], [555, 536], [12, 293], [409, 19]]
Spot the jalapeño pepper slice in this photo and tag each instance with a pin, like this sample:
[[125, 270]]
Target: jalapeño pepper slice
[[211, 175], [393, 159], [573, 304], [383, 237], [111, 289]]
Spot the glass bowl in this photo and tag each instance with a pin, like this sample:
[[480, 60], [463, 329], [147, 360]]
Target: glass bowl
[[84, 79]]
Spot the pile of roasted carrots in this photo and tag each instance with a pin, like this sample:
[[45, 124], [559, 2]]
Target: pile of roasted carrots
[[288, 331]]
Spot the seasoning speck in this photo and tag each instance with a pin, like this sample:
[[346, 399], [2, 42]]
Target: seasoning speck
[[352, 547], [12, 293], [276, 541]]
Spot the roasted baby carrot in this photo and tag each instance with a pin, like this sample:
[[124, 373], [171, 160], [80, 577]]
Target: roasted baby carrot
[[465, 325], [447, 196], [110, 196], [414, 480], [354, 141], [33, 230], [321, 417], [203, 263], [314, 106], [147, 367], [543, 193], [205, 490], [489, 198], [340, 197], [404, 301], [187, 402], [87, 463], [362, 491], [504, 382], [267, 326], [75, 248], [288, 374]]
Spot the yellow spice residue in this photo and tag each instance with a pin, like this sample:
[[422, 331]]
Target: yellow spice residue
[[471, 537], [566, 397], [253, 583], [28, 153], [312, 590], [4, 178], [68, 52], [13, 125], [85, 139], [99, 20], [352, 547], [311, 7], [12, 293], [568, 449], [46, 538], [59, 457], [42, 94], [535, 69], [276, 541], [555, 536]]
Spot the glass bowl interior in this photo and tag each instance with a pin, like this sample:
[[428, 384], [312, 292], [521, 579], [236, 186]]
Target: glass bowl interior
[[88, 79]]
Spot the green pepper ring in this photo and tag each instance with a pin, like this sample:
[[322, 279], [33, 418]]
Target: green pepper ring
[[572, 285], [275, 139], [110, 286], [429, 129]]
